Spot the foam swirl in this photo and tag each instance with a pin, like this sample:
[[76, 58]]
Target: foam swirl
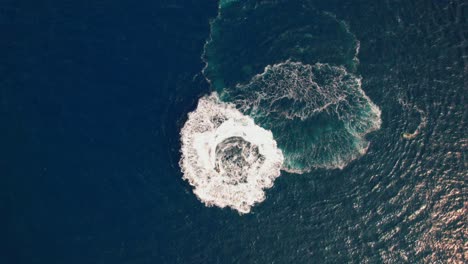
[[226, 157], [308, 96], [318, 113]]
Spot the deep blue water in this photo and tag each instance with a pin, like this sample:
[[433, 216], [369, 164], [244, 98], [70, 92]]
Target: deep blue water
[[93, 95]]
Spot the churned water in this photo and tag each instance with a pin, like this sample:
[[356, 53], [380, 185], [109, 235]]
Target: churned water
[[183, 131]]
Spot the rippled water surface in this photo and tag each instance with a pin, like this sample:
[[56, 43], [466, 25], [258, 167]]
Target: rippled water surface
[[298, 131]]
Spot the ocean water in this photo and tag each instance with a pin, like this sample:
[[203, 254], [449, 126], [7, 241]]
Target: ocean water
[[336, 131]]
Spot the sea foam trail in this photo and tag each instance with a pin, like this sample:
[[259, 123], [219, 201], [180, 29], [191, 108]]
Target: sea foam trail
[[226, 157], [285, 86], [318, 113]]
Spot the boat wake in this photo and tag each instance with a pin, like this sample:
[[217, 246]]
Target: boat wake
[[226, 157], [318, 113], [284, 86]]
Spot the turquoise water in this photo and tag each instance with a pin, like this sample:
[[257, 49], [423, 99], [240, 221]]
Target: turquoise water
[[348, 92], [94, 95], [296, 75]]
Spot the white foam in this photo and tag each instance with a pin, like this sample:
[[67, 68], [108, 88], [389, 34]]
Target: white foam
[[295, 82], [290, 91], [226, 157]]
